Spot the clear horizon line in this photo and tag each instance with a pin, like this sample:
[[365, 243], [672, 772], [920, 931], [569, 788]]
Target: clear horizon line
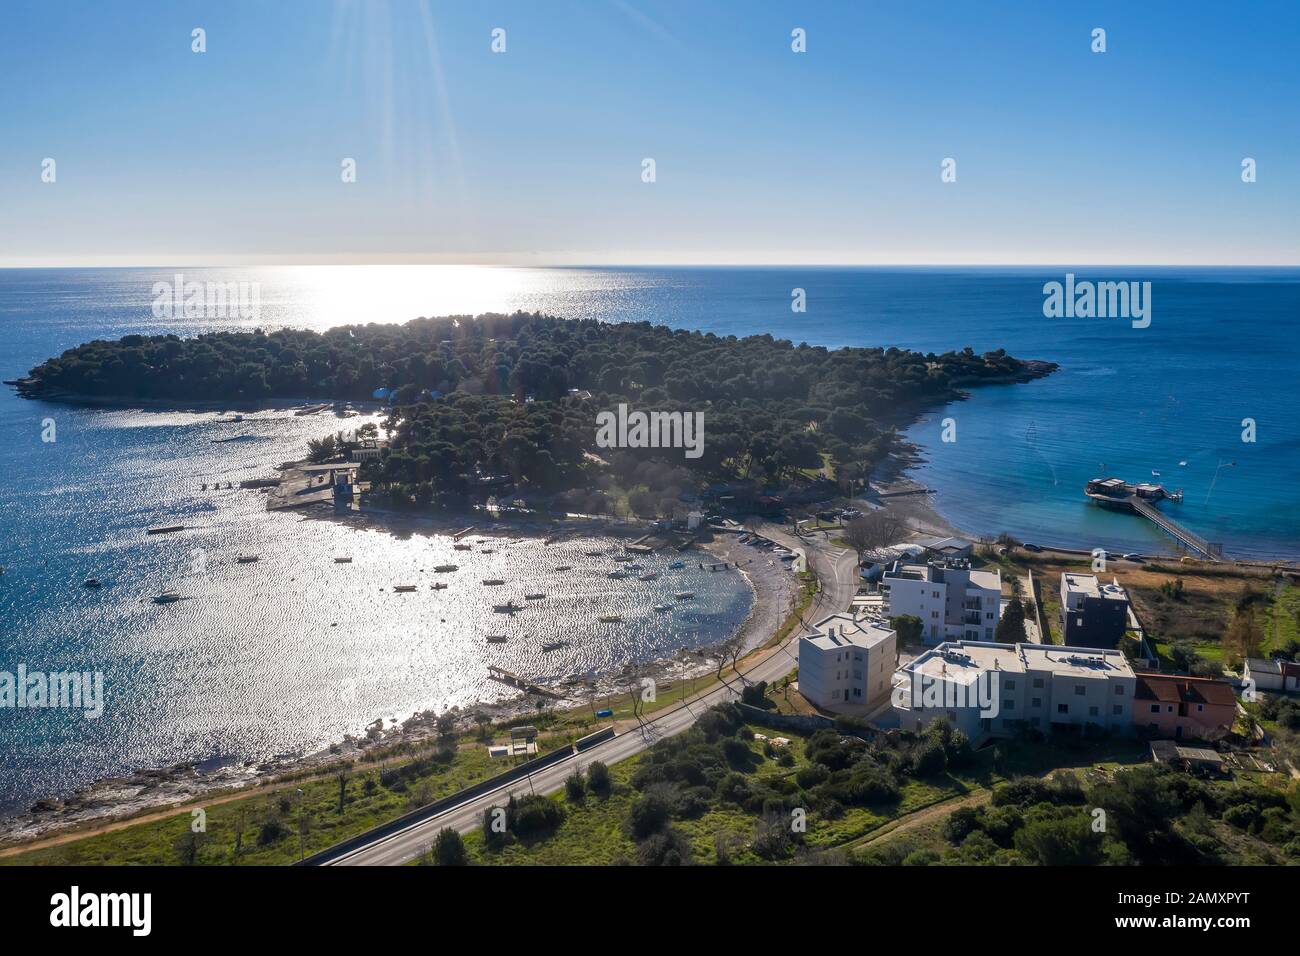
[[239, 263]]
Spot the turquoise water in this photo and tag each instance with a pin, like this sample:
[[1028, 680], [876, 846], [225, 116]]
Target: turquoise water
[[294, 652]]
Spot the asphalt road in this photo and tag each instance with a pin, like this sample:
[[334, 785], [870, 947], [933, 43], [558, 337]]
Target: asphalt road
[[836, 569]]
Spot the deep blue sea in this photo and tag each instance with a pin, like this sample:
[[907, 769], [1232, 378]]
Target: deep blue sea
[[291, 653]]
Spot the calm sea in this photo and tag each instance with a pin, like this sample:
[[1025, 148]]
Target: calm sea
[[295, 651]]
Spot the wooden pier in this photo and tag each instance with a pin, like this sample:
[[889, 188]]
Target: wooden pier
[[1189, 539]]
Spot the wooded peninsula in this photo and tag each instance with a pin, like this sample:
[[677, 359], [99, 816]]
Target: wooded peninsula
[[517, 395]]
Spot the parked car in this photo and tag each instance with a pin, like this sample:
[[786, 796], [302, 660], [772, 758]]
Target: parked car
[[1132, 556], [1031, 547]]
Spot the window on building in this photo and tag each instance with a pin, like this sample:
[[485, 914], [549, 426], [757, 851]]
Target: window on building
[[1036, 702], [1155, 708], [1011, 685], [1117, 709], [1200, 707], [1080, 690], [1038, 682], [1169, 709], [1119, 690], [1008, 705], [1094, 711], [1062, 708]]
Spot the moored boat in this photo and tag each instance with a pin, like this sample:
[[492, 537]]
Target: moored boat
[[167, 597]]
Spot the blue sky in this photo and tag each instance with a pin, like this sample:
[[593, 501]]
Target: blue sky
[[762, 155]]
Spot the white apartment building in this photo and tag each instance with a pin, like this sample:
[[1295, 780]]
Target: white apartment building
[[954, 602], [987, 689], [847, 662]]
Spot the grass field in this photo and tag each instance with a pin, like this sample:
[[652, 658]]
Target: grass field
[[263, 827]]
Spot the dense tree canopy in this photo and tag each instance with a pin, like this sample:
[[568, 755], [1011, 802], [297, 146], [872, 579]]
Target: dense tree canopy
[[507, 395]]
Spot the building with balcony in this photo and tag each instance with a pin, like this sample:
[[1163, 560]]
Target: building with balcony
[[953, 601]]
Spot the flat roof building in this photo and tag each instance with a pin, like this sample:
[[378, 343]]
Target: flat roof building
[[953, 601], [846, 662], [987, 689], [1092, 614]]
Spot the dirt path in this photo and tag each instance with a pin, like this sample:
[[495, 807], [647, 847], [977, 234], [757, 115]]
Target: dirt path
[[930, 814]]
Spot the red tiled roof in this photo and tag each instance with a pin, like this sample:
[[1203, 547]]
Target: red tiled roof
[[1186, 690]]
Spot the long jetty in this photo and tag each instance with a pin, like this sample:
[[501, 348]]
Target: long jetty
[[1189, 539]]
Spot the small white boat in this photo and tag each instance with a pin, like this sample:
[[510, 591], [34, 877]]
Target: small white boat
[[343, 559], [462, 547], [496, 638], [167, 597], [684, 595], [649, 576], [440, 585], [663, 607], [508, 608], [610, 618], [534, 597], [564, 567], [554, 646], [619, 574], [676, 565], [403, 588], [1182, 464], [92, 583], [248, 558], [446, 568]]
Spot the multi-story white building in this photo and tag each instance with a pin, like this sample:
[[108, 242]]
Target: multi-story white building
[[987, 689], [954, 602], [847, 662]]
